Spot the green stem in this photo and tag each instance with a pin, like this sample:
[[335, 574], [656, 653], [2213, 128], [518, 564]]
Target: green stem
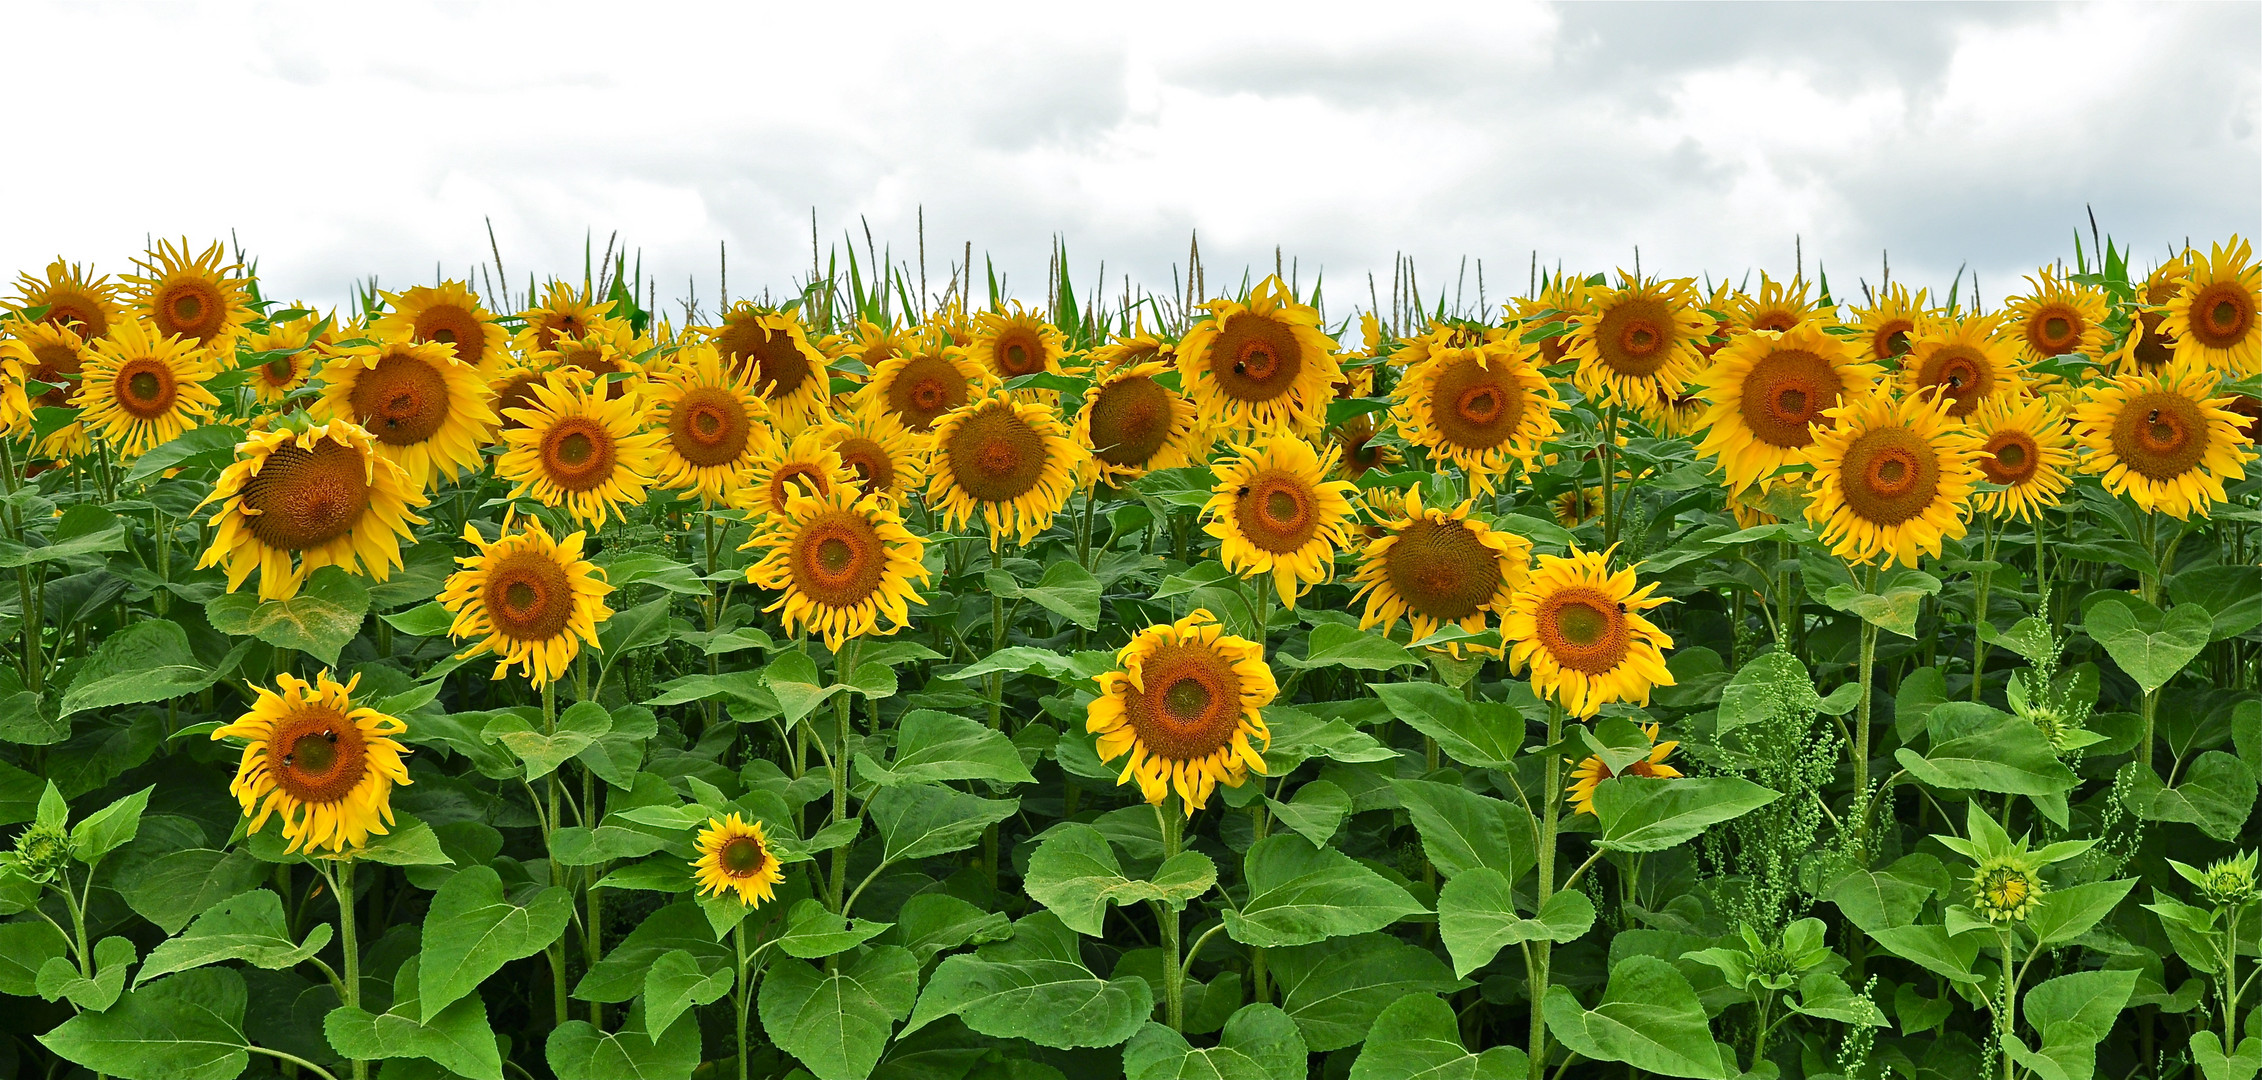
[[1610, 477], [2010, 1005], [1979, 613], [342, 887], [843, 669], [2151, 709], [1786, 603], [1550, 811], [738, 992], [293, 1059], [996, 684], [549, 828], [1173, 963], [1861, 722]]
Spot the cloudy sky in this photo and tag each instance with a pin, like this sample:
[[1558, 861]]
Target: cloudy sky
[[342, 141]]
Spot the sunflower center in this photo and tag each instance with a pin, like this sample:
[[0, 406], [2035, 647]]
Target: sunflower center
[[1442, 570], [306, 498], [2225, 314], [1959, 373], [780, 366], [516, 393], [1359, 451], [1631, 339], [2160, 435], [1583, 630], [1131, 421], [795, 478], [1256, 358], [528, 596], [186, 308], [402, 401], [1275, 514], [1186, 699], [2054, 331], [1892, 339], [458, 326], [1786, 390], [995, 455], [874, 469], [578, 454], [57, 365], [1019, 353], [145, 388], [839, 560], [1193, 707], [190, 309], [1484, 405], [742, 856], [87, 318], [1891, 475], [317, 755], [2009, 457], [278, 371], [708, 427]]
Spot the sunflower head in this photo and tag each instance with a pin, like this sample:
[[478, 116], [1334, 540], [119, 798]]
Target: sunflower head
[[923, 382], [298, 500], [565, 312], [40, 352], [531, 600], [326, 764], [1893, 477], [580, 451], [1260, 366], [141, 388], [1009, 461], [448, 314], [1133, 349], [840, 561], [1011, 344], [197, 299], [1591, 772], [1481, 407], [1778, 307], [1581, 629], [2228, 882], [74, 296], [2057, 317], [1356, 448], [2165, 440], [735, 857], [1186, 704], [290, 364], [714, 424], [803, 464], [887, 460], [1437, 567], [1966, 361], [1771, 395], [788, 371], [2025, 447], [1553, 308], [1275, 512], [2213, 318], [1132, 424], [1885, 327], [428, 410], [2006, 889], [1638, 342], [42, 851], [604, 356]]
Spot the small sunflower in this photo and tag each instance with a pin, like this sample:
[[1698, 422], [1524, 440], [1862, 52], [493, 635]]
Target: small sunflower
[[428, 409], [1556, 305], [75, 297], [2164, 440], [782, 467], [1186, 706], [714, 423], [1581, 630], [1778, 307], [513, 384], [735, 856], [1886, 326], [198, 300], [1893, 479], [888, 461], [1966, 360], [1260, 366], [1276, 512], [2006, 888], [2025, 447], [1131, 350], [529, 599], [140, 389], [1010, 461], [1436, 567], [294, 502], [2213, 318], [1009, 345], [327, 765], [41, 352], [870, 344], [1637, 343], [605, 351], [1133, 425], [1677, 415], [2057, 317], [1770, 392], [565, 312], [789, 372], [580, 451], [2147, 348], [1577, 506], [842, 562], [274, 380], [919, 385], [1481, 408], [448, 313], [1356, 449], [1592, 772]]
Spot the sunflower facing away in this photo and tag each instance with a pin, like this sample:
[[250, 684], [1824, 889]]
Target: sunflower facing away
[[1886, 326], [1766, 389], [713, 423], [2213, 317], [1580, 629], [1009, 345], [1967, 360], [1480, 408], [196, 299], [1134, 425], [870, 344], [918, 386], [1185, 706], [565, 312], [1131, 350], [529, 599], [580, 451], [2057, 317], [1011, 462], [842, 561], [1592, 772], [735, 856], [327, 765], [139, 389], [888, 461], [2026, 448], [2164, 440], [448, 313], [1276, 512], [1356, 448], [296, 501], [1637, 343], [789, 372], [45, 353], [2147, 348], [1893, 479], [427, 409], [1437, 567], [804, 464], [74, 297], [1260, 366]]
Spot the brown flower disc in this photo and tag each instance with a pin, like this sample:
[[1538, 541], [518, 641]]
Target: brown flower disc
[[2222, 314], [838, 559], [926, 388], [1474, 406], [146, 389], [2153, 349], [1635, 336], [1356, 439], [2160, 435], [995, 455], [1583, 629], [780, 367], [742, 857], [402, 401], [517, 392], [1191, 706], [578, 454], [306, 498], [1131, 421], [2054, 330], [1442, 570], [192, 309], [874, 469], [80, 314], [528, 596], [57, 365], [1891, 339], [1275, 512], [708, 426], [1255, 358], [1891, 474], [456, 325], [316, 755], [795, 478], [1959, 373], [2251, 409], [1020, 351], [2010, 457], [1784, 392]]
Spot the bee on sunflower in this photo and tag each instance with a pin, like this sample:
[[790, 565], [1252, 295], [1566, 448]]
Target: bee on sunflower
[[1591, 772], [2213, 316], [1481, 408], [1187, 707], [427, 408], [1131, 424], [735, 857], [529, 599], [841, 561], [2165, 440], [789, 372], [1966, 360], [1893, 479], [1259, 366], [2057, 317], [1011, 462], [1437, 567], [1274, 511], [1771, 393], [298, 500], [448, 313], [325, 763], [2025, 446], [140, 389], [1579, 627], [714, 424], [580, 451], [197, 299], [1637, 343]]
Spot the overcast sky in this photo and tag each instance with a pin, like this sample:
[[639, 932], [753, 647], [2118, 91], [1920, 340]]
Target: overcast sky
[[339, 141]]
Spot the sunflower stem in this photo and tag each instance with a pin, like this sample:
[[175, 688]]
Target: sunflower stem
[[1979, 611], [738, 992], [342, 888], [549, 829], [996, 681], [34, 669], [843, 667], [1609, 476], [1173, 964], [1550, 811]]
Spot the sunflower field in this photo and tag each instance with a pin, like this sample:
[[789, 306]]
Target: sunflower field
[[1649, 676]]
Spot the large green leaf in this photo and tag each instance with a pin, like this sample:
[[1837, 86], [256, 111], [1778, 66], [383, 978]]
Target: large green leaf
[[326, 613], [1646, 814], [935, 746], [1463, 831], [620, 975], [1476, 918], [186, 1027], [249, 927], [146, 661], [1418, 1038], [1931, 946], [677, 981], [838, 1022], [25, 947], [1334, 644], [108, 829], [1075, 873], [177, 886], [1035, 986], [1487, 739], [1299, 894], [812, 932], [2009, 756], [579, 727], [1648, 1017], [2149, 644], [1259, 1043], [577, 1051], [1772, 684], [2086, 1002], [1335, 989], [2241, 1064], [923, 820], [2065, 914], [472, 930], [456, 1037], [2217, 793], [1067, 590]]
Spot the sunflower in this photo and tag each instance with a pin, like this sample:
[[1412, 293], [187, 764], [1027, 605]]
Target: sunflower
[[870, 344], [1778, 307], [1577, 506], [319, 496], [428, 409], [842, 561], [580, 451], [327, 764], [888, 461], [1637, 343], [1443, 336], [735, 856], [565, 312], [1966, 360], [1892, 478], [1436, 567], [1275, 512], [714, 422], [789, 372], [1186, 706], [2026, 448], [2164, 440], [782, 467], [1592, 772], [1769, 391], [917, 386], [2006, 888], [2213, 318], [197, 300], [529, 599], [1260, 366], [2147, 348], [75, 298], [1356, 449], [1676, 414], [41, 352], [1133, 425], [1012, 461], [139, 389], [448, 313], [1480, 407], [1580, 629], [1133, 349], [606, 351], [1885, 327], [1011, 345], [2057, 318], [293, 341], [1556, 305]]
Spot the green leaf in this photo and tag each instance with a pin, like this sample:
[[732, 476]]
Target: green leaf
[[1825, 995], [1343, 645], [1019, 660], [1299, 894], [1476, 918], [620, 975], [640, 627], [425, 620], [2084, 1001], [2149, 645], [1035, 986], [211, 446], [1893, 609], [187, 1027], [579, 727], [326, 613], [1647, 814], [1335, 989], [1484, 741], [410, 843], [59, 978], [1931, 946], [1418, 1038], [108, 829], [2217, 794], [2214, 1064], [935, 746], [1772, 684], [146, 661], [472, 930], [250, 928], [1259, 1043], [933, 923], [677, 981], [813, 933], [84, 529], [1462, 830], [179, 885], [1067, 590], [2009, 756], [1315, 812], [577, 1051], [457, 1037], [25, 947], [1075, 873], [1876, 900], [837, 1023], [922, 820], [1648, 1017], [793, 678], [2065, 914]]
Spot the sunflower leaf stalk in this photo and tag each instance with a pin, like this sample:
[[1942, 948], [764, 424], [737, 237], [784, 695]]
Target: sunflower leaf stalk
[[1536, 960]]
